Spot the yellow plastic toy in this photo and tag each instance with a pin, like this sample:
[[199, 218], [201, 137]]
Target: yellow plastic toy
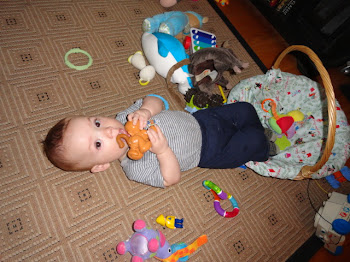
[[170, 221]]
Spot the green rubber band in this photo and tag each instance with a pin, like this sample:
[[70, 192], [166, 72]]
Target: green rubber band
[[76, 51]]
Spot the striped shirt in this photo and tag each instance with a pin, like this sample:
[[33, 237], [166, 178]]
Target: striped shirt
[[184, 137]]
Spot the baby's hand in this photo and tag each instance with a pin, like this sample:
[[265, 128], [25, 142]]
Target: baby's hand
[[158, 140], [143, 115]]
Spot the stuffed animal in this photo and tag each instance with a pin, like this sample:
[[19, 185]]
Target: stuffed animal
[[207, 66], [147, 72], [137, 140], [163, 51], [145, 243], [283, 124], [173, 23], [197, 100], [181, 251]]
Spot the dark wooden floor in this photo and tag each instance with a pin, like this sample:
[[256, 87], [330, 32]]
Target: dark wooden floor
[[268, 44]]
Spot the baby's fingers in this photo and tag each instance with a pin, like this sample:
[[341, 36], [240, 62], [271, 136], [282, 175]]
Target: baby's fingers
[[130, 116], [159, 132], [143, 123], [133, 117], [152, 135]]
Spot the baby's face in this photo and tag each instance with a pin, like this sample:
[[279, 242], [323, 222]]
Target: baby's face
[[92, 140]]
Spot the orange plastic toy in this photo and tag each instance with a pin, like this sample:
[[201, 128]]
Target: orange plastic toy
[[138, 140]]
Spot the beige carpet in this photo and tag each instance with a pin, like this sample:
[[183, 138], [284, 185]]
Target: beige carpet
[[51, 215]]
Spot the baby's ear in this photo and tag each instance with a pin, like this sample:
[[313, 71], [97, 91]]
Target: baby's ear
[[99, 168]]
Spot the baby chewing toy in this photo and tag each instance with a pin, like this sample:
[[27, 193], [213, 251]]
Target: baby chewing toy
[[137, 140]]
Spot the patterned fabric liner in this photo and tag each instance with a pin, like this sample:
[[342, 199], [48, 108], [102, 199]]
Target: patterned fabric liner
[[292, 92]]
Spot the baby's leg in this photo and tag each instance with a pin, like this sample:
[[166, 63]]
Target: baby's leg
[[232, 136], [242, 115]]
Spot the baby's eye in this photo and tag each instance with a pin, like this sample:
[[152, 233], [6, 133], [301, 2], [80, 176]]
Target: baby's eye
[[97, 123], [98, 144]]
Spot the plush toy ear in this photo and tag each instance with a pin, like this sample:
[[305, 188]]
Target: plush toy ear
[[100, 168], [162, 238]]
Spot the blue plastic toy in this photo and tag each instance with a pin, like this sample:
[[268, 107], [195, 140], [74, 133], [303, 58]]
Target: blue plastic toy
[[338, 177]]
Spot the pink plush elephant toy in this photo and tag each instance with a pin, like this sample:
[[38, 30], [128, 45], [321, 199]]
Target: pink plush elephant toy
[[145, 243]]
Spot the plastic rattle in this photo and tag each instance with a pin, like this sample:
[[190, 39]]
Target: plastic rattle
[[219, 194], [138, 140]]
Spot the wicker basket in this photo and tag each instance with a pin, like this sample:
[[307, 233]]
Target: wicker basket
[[307, 171]]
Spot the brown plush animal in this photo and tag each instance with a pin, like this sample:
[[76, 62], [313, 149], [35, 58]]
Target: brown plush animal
[[138, 140], [207, 66]]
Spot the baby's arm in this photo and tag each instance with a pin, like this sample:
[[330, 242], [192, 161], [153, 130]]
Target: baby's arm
[[151, 106], [169, 165]]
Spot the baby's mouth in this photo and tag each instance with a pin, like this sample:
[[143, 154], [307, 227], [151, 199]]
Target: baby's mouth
[[123, 131]]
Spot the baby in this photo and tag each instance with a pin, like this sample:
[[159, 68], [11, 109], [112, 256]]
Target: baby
[[222, 137]]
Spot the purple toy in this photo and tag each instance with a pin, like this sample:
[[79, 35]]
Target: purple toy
[[145, 243]]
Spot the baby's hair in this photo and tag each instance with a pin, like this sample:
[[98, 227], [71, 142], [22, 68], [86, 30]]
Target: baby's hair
[[53, 145]]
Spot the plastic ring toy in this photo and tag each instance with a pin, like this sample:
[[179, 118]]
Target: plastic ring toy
[[143, 83], [219, 194], [76, 51]]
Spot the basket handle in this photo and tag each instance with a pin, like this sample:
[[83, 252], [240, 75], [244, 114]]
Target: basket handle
[[307, 171]]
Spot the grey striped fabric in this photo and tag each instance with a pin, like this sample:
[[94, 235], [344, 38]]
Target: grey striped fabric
[[184, 137]]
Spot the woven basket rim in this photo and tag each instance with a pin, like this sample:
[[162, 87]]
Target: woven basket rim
[[307, 171]]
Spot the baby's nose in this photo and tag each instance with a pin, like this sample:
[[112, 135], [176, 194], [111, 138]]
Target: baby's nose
[[110, 132]]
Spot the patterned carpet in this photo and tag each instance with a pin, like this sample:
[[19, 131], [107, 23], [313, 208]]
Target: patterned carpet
[[51, 215]]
